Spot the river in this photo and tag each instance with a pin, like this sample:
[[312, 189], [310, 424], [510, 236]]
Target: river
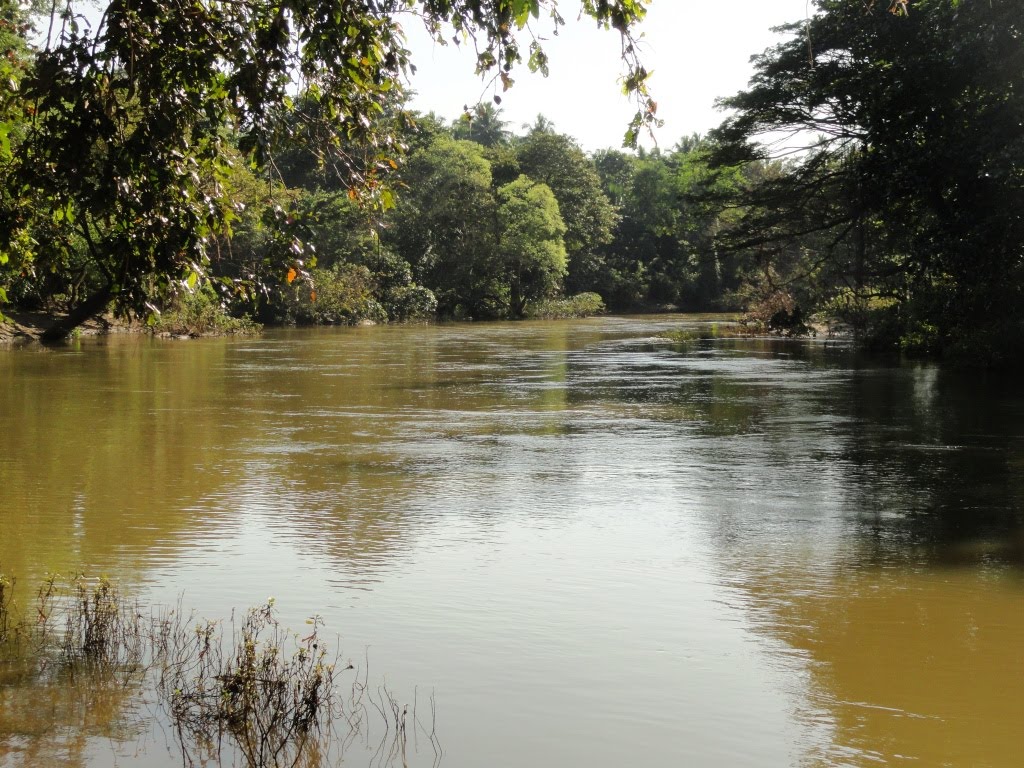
[[594, 546]]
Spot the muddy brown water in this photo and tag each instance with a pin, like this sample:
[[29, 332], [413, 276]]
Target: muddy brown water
[[593, 545]]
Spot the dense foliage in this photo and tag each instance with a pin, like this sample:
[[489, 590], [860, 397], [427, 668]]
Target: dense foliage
[[871, 177], [904, 214], [126, 129]]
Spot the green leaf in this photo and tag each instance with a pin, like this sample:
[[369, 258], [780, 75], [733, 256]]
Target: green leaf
[[5, 142]]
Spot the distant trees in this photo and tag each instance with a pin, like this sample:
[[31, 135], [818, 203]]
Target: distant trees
[[485, 251], [115, 188], [558, 162], [640, 230], [444, 226], [531, 251], [482, 124], [665, 251]]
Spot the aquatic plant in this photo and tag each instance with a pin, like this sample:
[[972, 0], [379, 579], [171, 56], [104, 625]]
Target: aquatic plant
[[269, 702], [259, 695], [102, 628]]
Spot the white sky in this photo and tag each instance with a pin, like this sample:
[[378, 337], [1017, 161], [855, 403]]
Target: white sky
[[698, 50]]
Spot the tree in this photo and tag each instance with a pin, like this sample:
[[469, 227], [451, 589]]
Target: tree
[[530, 246], [912, 190], [664, 250], [700, 191], [484, 252], [482, 124], [558, 162], [541, 124], [15, 60], [125, 156], [443, 225], [615, 169]]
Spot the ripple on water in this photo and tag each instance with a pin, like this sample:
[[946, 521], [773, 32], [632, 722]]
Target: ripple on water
[[597, 546]]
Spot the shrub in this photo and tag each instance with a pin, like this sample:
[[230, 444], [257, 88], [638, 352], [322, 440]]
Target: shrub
[[580, 305], [774, 310], [401, 298], [340, 295], [200, 314]]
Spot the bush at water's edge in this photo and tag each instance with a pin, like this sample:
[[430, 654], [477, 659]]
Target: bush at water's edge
[[580, 305], [198, 314]]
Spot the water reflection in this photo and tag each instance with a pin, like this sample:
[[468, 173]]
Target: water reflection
[[66, 722], [108, 454], [884, 544], [596, 543]]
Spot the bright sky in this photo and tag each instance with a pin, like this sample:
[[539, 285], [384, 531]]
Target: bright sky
[[698, 50]]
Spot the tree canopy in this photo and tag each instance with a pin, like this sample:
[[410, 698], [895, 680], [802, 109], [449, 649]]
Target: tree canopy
[[127, 128], [905, 206], [559, 163], [530, 246]]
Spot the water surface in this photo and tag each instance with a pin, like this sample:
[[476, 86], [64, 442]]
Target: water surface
[[594, 545]]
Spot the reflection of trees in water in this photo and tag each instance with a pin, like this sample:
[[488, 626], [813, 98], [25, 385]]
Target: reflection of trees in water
[[63, 720], [108, 452], [130, 450], [907, 665], [916, 463], [935, 467], [837, 526], [403, 429]]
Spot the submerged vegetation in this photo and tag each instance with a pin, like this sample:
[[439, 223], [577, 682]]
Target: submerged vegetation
[[254, 694]]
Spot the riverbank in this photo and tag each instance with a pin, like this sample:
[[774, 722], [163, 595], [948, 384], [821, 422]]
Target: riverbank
[[192, 319], [196, 316], [28, 327]]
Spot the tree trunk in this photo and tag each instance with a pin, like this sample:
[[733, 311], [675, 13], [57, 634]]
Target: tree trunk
[[91, 307]]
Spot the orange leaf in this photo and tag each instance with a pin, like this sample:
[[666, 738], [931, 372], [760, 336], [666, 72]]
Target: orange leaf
[[292, 274], [312, 295]]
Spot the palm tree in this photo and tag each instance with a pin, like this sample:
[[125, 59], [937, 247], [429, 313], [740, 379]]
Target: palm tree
[[540, 125], [482, 124]]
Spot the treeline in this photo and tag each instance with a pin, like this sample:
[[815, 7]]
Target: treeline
[[482, 223], [399, 217], [871, 178], [150, 156], [470, 221]]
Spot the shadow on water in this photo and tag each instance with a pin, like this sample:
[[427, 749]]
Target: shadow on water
[[943, 480], [925, 463], [872, 519]]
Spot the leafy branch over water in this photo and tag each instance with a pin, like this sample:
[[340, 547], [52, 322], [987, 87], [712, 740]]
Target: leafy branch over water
[[257, 695]]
